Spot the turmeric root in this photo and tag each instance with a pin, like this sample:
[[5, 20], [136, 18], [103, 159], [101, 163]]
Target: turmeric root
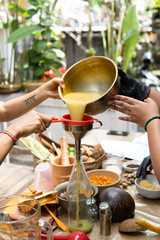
[[149, 226]]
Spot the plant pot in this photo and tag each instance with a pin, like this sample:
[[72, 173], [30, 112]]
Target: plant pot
[[11, 88], [32, 85]]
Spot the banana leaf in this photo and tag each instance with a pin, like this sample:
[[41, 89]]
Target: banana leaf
[[130, 35], [23, 32]]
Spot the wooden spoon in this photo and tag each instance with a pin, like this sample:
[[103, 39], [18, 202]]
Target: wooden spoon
[[134, 225], [60, 223]]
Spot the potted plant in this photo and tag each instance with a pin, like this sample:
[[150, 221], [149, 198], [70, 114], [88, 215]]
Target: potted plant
[[45, 50], [9, 59]]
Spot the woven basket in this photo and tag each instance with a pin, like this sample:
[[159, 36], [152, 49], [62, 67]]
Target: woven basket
[[95, 164]]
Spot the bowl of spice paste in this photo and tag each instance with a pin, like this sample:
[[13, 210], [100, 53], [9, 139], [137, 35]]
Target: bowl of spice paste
[[148, 187], [131, 166]]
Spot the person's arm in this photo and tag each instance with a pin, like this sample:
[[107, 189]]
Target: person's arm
[[139, 112], [19, 106], [153, 130], [131, 88], [155, 95], [137, 90], [34, 122]]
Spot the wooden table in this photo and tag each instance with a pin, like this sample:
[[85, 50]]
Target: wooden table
[[15, 179]]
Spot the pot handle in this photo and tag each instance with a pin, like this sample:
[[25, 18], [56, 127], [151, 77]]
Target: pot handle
[[57, 120], [100, 124]]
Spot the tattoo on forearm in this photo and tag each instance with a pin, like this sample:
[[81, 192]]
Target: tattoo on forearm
[[30, 100]]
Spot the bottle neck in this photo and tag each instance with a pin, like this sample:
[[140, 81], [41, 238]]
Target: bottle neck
[[78, 156]]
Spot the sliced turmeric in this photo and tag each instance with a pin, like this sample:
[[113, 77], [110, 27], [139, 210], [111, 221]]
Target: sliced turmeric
[[101, 180], [32, 189], [149, 226]]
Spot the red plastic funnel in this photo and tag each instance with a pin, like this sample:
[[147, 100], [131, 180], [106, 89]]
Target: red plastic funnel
[[67, 120]]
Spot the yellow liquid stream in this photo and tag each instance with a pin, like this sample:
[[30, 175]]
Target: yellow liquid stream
[[77, 101], [77, 191]]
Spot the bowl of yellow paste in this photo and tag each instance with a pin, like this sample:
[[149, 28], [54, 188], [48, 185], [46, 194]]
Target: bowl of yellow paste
[[148, 187]]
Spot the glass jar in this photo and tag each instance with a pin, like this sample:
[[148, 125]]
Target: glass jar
[[113, 162], [94, 209], [79, 195]]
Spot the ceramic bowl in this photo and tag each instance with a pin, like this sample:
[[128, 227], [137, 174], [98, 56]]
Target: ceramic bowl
[[151, 194], [102, 172], [127, 165], [62, 188]]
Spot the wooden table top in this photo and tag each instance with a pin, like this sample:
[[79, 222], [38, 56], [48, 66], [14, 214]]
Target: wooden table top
[[14, 179]]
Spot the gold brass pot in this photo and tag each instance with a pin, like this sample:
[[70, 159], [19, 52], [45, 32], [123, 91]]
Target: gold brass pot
[[93, 74]]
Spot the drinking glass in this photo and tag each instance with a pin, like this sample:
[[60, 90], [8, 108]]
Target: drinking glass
[[20, 219]]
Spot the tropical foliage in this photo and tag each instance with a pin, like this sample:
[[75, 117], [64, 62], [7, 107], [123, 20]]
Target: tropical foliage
[[119, 42], [45, 51]]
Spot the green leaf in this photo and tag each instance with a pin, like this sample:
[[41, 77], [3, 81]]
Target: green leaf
[[46, 22], [14, 25], [97, 6], [129, 48], [53, 33], [35, 59], [58, 73], [25, 66], [5, 25], [47, 33], [53, 65], [39, 45], [34, 2], [32, 12], [39, 71], [130, 35], [17, 8], [23, 32], [58, 52], [49, 55], [131, 19]]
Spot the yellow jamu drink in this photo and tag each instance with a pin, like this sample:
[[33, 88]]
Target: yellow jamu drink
[[77, 101]]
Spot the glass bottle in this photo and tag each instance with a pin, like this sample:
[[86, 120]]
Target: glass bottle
[[79, 192]]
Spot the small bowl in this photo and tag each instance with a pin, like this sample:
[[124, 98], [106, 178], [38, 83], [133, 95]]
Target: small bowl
[[62, 188], [102, 172], [151, 194], [127, 168]]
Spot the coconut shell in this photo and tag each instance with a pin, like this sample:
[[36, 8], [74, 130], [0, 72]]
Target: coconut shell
[[121, 203]]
